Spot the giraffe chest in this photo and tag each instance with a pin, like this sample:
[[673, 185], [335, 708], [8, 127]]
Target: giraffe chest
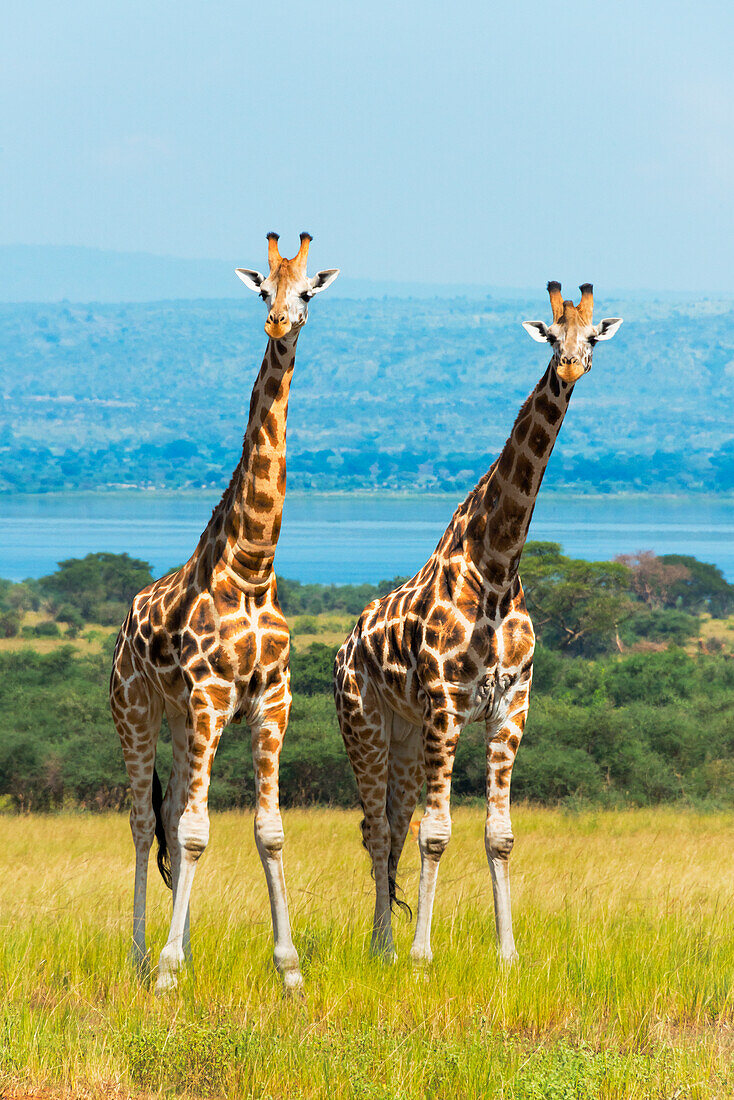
[[224, 645]]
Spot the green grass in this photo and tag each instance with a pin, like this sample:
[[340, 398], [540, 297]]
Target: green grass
[[625, 986]]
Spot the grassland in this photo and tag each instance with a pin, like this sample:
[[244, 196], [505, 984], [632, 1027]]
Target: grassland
[[328, 628], [625, 986]]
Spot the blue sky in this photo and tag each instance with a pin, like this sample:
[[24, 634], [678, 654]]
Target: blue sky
[[488, 143]]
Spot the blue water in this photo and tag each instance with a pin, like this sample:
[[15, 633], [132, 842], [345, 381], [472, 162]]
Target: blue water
[[351, 538]]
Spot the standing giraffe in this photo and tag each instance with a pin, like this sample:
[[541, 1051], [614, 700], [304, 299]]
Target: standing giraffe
[[454, 645], [209, 644]]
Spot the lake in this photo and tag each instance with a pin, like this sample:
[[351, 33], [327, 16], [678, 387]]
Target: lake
[[342, 539]]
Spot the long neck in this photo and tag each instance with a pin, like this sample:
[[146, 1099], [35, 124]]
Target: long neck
[[505, 499], [249, 515]]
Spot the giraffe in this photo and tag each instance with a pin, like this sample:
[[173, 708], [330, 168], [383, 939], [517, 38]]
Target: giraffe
[[454, 645], [209, 645]]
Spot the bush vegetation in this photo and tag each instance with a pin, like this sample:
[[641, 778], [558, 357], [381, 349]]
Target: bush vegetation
[[621, 713]]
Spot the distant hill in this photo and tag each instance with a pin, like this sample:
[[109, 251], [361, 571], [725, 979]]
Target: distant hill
[[386, 395], [30, 273], [53, 273]]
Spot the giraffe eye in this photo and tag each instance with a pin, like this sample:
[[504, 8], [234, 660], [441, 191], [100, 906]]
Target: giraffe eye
[[306, 296], [264, 295]]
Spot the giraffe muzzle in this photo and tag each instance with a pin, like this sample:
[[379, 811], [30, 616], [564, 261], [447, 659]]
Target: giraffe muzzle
[[276, 329], [570, 370]]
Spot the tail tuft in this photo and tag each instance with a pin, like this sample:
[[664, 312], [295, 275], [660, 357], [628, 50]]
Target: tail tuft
[[395, 901], [163, 859]]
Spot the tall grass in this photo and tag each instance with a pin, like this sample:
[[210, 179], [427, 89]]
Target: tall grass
[[624, 924]]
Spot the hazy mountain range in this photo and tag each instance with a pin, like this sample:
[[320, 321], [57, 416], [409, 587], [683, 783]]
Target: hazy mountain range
[[388, 393], [54, 273]]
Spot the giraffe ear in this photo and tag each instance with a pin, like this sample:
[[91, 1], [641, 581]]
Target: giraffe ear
[[322, 279], [250, 278], [606, 329], [537, 330]]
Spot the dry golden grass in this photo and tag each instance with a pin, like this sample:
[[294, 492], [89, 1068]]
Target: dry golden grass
[[333, 628], [716, 631], [89, 641], [624, 989]]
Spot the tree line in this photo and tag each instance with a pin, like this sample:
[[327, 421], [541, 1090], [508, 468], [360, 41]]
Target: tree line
[[620, 712]]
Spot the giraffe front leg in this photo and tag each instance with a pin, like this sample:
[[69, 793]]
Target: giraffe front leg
[[193, 837], [502, 748], [267, 741], [440, 737]]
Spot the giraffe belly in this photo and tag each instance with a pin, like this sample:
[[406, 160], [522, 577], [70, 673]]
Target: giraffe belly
[[482, 698]]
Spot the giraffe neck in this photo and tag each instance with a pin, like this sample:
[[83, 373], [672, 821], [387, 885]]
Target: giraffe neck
[[244, 528], [505, 498]]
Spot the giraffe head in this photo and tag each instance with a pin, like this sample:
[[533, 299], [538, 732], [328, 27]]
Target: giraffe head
[[286, 289], [573, 333]]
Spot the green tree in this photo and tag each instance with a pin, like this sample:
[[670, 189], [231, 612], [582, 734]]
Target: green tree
[[92, 584], [312, 672], [9, 623], [704, 589], [576, 606]]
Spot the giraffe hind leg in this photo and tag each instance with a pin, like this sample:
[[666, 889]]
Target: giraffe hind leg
[[404, 781], [365, 733], [137, 711], [366, 746]]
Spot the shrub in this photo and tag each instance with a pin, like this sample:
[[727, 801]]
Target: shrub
[[9, 623], [46, 629], [306, 624], [312, 672]]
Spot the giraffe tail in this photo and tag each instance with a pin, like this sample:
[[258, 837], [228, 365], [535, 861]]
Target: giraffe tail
[[392, 885], [395, 901], [163, 858]]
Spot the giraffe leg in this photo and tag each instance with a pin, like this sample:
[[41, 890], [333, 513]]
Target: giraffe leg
[[440, 736], [173, 807], [404, 781], [502, 747], [267, 740], [372, 785], [193, 833], [137, 711], [366, 741], [376, 837]]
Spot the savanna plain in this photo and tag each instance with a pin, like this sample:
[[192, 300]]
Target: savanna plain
[[624, 986]]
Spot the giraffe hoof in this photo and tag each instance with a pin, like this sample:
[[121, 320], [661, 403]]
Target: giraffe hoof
[[168, 968], [421, 959], [508, 961], [293, 983], [384, 953], [165, 983]]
